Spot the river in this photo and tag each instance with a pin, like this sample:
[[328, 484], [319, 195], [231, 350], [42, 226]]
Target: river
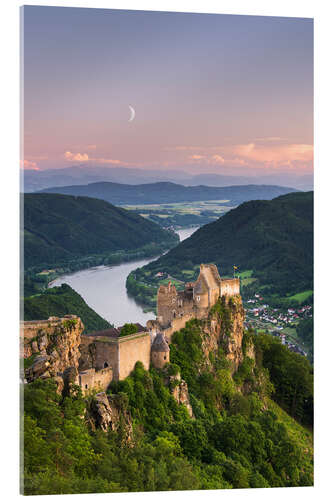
[[104, 289]]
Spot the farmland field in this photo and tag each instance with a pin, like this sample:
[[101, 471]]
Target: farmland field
[[185, 214]]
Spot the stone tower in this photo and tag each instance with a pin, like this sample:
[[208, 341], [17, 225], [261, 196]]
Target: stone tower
[[166, 304], [160, 351]]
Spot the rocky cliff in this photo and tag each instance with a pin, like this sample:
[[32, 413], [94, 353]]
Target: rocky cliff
[[109, 412], [225, 327], [51, 347], [179, 389]]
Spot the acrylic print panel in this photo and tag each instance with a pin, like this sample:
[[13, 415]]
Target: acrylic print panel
[[167, 329]]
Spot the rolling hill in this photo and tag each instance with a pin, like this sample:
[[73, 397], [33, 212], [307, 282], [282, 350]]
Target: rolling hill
[[273, 238], [59, 301], [169, 192], [59, 228]]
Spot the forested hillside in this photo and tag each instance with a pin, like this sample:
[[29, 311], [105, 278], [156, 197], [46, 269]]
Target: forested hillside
[[59, 301], [240, 436], [169, 192], [59, 228], [273, 239]]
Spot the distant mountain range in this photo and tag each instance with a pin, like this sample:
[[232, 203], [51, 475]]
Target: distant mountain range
[[59, 228], [36, 180], [168, 192]]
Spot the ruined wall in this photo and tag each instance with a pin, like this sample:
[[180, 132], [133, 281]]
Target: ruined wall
[[200, 294], [133, 348], [210, 274], [230, 287], [167, 303], [107, 354], [177, 324], [92, 379], [120, 353]]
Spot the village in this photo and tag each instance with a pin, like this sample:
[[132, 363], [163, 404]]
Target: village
[[277, 322], [263, 318]]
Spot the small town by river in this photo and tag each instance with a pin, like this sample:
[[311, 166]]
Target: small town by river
[[104, 289]]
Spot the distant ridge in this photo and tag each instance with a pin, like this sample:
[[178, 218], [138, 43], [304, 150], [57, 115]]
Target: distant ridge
[[36, 180], [169, 192]]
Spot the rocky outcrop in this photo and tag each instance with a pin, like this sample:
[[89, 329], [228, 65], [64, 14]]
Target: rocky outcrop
[[250, 350], [179, 390], [109, 412], [233, 337], [55, 347], [224, 327]]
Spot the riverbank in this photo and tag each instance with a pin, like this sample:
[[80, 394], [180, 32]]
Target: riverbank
[[104, 288], [42, 277]]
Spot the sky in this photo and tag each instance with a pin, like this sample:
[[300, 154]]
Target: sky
[[214, 93]]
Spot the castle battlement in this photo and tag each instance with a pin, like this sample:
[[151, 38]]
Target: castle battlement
[[175, 308]]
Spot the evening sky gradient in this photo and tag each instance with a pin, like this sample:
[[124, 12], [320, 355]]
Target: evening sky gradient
[[212, 93]]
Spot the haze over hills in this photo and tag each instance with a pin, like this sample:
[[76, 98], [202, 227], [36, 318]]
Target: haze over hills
[[58, 228], [168, 192], [36, 180]]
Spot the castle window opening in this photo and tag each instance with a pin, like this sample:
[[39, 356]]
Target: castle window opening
[[86, 386], [164, 357], [106, 364]]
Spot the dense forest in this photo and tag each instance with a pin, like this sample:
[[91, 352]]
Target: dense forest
[[169, 192], [251, 429], [59, 301], [273, 239], [59, 229]]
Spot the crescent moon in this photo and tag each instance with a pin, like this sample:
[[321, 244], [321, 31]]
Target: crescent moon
[[132, 110]]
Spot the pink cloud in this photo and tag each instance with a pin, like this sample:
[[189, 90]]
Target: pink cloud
[[76, 157], [196, 157], [269, 152], [217, 159], [244, 149], [29, 165], [275, 154], [84, 157]]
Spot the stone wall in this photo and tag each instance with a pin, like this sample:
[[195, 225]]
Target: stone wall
[[177, 324], [92, 379], [230, 287], [166, 303], [119, 353], [133, 348]]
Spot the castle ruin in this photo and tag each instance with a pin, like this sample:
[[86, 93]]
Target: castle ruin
[[105, 356], [175, 308]]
